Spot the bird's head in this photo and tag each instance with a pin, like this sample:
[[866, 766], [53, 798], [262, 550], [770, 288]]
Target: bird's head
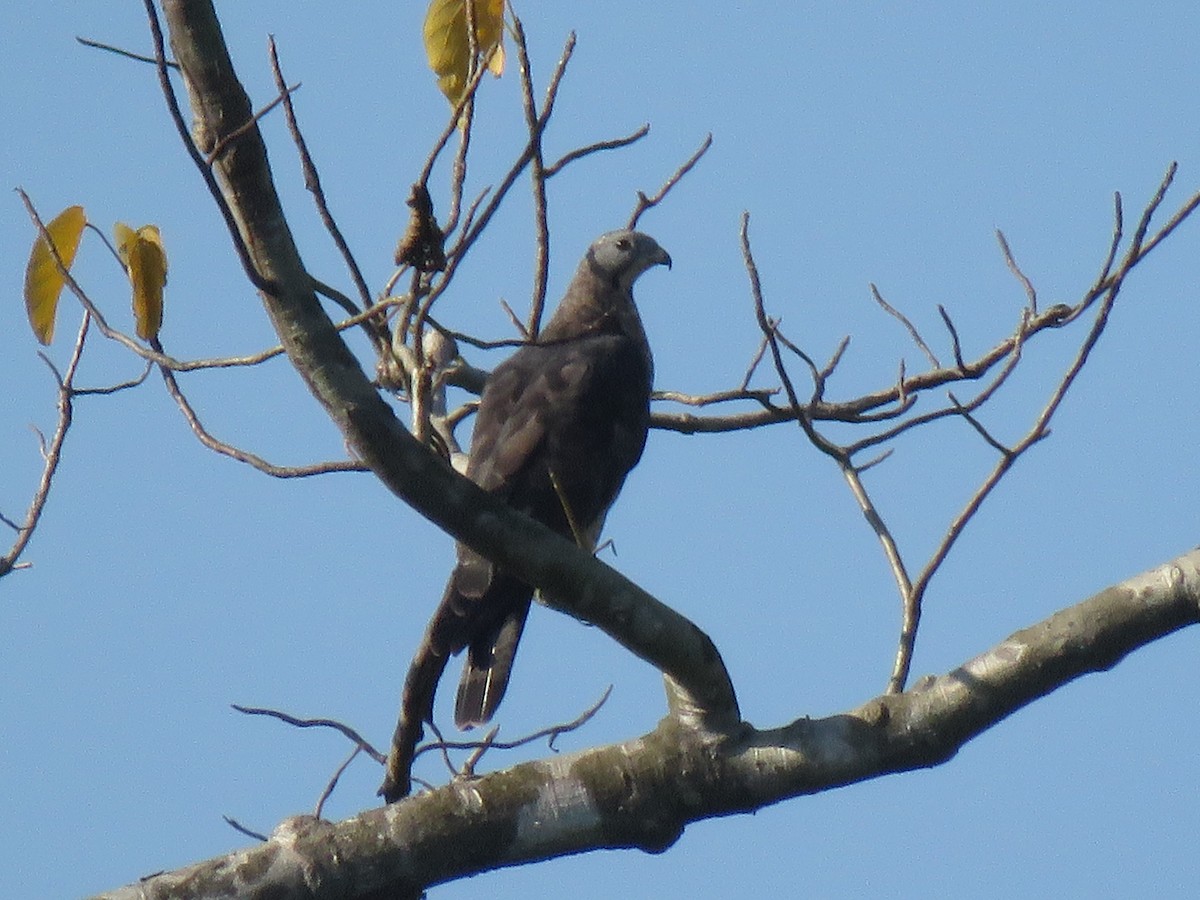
[[620, 257]]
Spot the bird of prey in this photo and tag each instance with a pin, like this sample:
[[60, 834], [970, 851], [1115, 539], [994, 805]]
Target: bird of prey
[[560, 424]]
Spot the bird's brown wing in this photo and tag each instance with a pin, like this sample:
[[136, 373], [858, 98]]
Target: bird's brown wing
[[559, 428]]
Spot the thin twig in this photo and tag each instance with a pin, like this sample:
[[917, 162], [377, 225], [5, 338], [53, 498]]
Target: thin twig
[[52, 451], [333, 781], [579, 152], [245, 456], [904, 320], [312, 181], [644, 203], [456, 254], [826, 372], [239, 827], [537, 176], [1010, 261], [760, 396], [116, 388], [804, 357], [224, 142], [472, 234], [754, 361], [954, 408], [851, 474], [340, 299], [349, 733], [468, 767], [440, 744], [126, 53], [979, 427], [516, 322], [956, 346], [1105, 289], [551, 732]]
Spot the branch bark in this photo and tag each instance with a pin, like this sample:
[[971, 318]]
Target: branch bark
[[642, 793]]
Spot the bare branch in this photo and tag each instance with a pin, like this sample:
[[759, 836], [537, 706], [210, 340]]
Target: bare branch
[[580, 152], [227, 139], [349, 733], [52, 451], [644, 203], [242, 829], [468, 766], [851, 474], [537, 175], [251, 459], [954, 342], [1106, 289], [516, 323], [818, 385], [761, 396], [333, 781], [1030, 291], [117, 388], [126, 53], [912, 329], [551, 732], [754, 361], [472, 234], [979, 427], [312, 180]]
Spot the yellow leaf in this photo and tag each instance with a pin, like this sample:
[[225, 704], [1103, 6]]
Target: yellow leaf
[[496, 63], [448, 48], [43, 280], [146, 264]]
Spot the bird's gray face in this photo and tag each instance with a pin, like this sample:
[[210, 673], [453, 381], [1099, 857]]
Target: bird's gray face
[[621, 256]]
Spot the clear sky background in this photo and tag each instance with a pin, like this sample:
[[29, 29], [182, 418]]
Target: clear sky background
[[875, 142]]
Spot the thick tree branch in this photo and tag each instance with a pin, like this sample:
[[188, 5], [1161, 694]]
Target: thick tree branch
[[642, 793]]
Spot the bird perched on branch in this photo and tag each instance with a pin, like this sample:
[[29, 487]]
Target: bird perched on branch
[[560, 424]]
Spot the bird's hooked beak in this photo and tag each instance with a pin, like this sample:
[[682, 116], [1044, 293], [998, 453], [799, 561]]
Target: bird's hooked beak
[[662, 258]]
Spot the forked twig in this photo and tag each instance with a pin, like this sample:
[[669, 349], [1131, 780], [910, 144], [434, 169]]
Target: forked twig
[[52, 450], [1103, 294], [245, 456], [551, 732], [851, 473]]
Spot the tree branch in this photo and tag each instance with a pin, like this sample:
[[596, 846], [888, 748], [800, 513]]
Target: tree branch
[[583, 801], [51, 453]]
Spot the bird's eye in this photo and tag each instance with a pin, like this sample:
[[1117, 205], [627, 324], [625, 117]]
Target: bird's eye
[[623, 244]]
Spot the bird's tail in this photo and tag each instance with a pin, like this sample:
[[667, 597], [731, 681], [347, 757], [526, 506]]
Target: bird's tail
[[487, 670]]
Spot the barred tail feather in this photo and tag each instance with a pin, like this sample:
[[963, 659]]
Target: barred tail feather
[[487, 670]]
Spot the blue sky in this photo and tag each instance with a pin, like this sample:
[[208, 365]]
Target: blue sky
[[871, 143]]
